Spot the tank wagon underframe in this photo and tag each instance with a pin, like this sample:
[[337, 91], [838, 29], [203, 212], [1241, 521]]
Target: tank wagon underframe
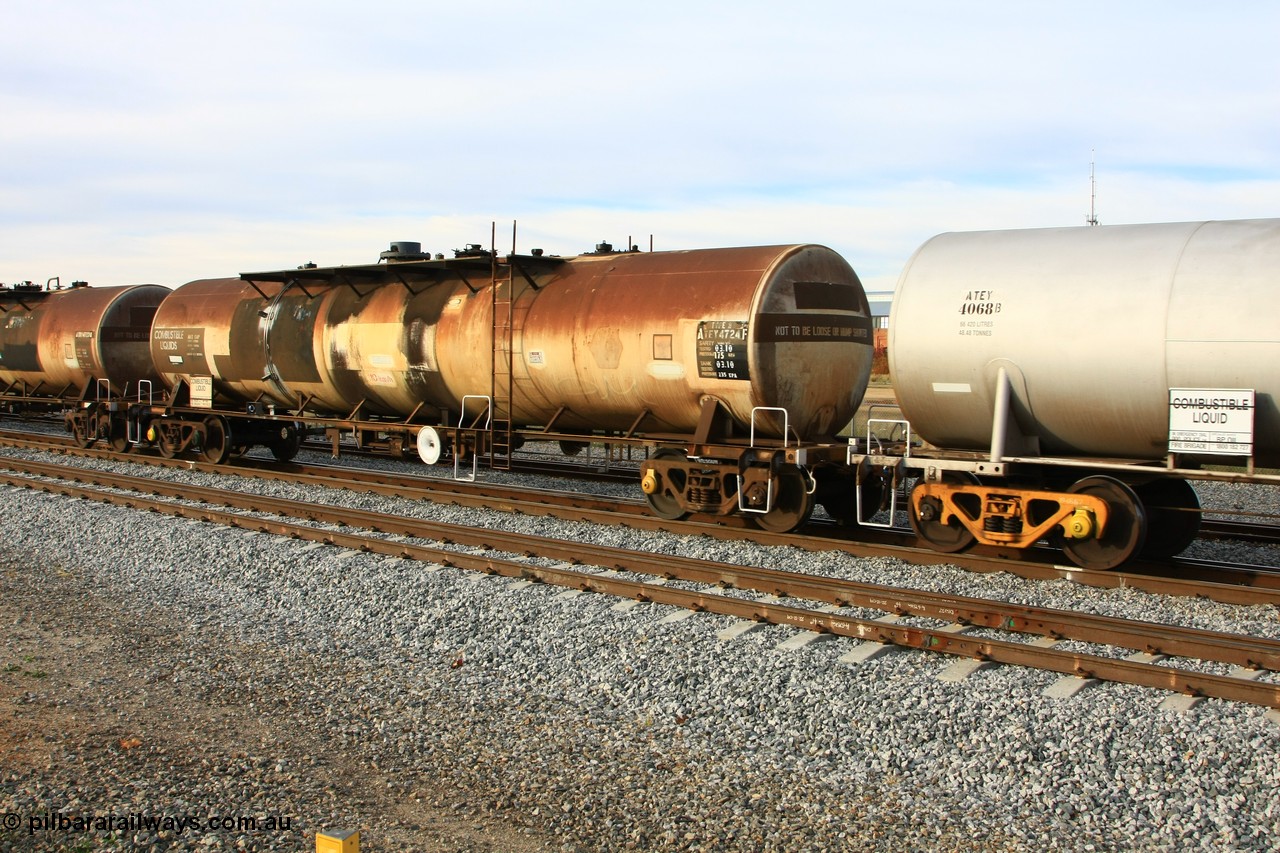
[[771, 479], [1101, 512]]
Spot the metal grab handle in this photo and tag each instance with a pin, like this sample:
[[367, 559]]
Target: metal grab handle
[[768, 498], [897, 422], [786, 423], [475, 456], [853, 458], [462, 416], [132, 425]]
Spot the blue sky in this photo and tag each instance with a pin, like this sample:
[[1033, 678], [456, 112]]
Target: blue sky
[[162, 142]]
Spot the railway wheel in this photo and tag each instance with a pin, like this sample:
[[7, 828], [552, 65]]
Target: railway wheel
[[843, 506], [286, 445], [166, 444], [1173, 516], [81, 433], [119, 436], [662, 499], [1126, 526], [217, 441], [792, 503], [950, 537]]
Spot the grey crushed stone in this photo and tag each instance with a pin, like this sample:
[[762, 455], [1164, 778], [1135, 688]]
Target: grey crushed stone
[[595, 729]]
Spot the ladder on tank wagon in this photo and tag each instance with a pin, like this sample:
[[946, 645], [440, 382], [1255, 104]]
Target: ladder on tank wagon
[[501, 290]]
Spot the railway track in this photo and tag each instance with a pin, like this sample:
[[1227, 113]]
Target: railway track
[[1230, 583], [596, 568], [1241, 531], [583, 465]]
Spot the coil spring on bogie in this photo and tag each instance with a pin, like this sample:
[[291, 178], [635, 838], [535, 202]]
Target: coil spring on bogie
[[1002, 524], [703, 498]]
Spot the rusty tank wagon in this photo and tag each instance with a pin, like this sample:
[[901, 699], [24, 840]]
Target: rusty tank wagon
[[81, 346], [733, 349], [62, 341]]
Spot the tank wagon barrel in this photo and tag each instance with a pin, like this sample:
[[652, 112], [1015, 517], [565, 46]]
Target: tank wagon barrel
[[1092, 327], [78, 349], [60, 342], [595, 342]]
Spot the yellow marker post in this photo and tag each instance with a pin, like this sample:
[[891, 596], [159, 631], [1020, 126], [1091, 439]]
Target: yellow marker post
[[338, 842]]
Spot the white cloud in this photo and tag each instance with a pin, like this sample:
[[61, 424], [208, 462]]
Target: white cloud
[[215, 139]]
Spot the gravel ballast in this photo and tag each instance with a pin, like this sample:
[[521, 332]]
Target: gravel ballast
[[435, 709]]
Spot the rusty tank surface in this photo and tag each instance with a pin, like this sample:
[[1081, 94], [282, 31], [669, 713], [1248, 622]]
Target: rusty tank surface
[[334, 346], [57, 342], [216, 328], [780, 327], [594, 342]]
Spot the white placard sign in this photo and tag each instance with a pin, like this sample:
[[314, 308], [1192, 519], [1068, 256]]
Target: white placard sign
[[1211, 420], [202, 392]]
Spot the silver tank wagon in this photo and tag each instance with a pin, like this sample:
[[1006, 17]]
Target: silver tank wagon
[[1092, 326]]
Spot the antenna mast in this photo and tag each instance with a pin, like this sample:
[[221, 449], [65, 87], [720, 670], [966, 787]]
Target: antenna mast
[[1092, 219]]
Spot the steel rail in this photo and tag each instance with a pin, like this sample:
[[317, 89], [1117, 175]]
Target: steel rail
[[1239, 531], [1245, 651], [1231, 584], [602, 470]]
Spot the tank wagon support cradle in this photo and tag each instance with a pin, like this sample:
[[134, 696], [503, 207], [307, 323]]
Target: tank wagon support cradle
[[175, 426], [20, 398]]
